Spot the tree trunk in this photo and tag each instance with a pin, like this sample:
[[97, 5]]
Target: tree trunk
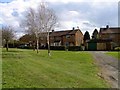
[[48, 41], [34, 48], [37, 44], [6, 45]]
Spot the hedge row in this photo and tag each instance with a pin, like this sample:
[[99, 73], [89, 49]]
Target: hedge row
[[57, 47], [68, 48], [74, 48], [11, 45]]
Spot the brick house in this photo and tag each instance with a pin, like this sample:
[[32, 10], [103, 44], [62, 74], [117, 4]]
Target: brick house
[[112, 33], [66, 38], [108, 39], [58, 38]]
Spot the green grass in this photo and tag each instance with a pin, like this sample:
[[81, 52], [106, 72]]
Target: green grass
[[27, 69], [114, 54]]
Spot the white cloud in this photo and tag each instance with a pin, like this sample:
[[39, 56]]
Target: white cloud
[[87, 16], [68, 1]]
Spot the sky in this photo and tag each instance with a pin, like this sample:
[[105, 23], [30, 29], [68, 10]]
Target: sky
[[85, 14]]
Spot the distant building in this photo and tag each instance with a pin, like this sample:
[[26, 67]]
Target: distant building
[[57, 38], [112, 33], [108, 39], [66, 38]]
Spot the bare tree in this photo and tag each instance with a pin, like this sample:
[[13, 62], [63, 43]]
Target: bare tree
[[38, 21], [32, 23], [48, 21], [7, 34]]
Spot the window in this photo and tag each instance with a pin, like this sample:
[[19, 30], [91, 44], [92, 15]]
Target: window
[[57, 43], [67, 43], [67, 36]]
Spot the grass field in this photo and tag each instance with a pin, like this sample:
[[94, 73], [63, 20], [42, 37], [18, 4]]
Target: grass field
[[114, 54], [27, 69]]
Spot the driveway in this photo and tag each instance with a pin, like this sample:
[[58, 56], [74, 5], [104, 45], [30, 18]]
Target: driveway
[[108, 67]]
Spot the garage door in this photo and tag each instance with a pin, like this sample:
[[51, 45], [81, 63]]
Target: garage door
[[92, 46]]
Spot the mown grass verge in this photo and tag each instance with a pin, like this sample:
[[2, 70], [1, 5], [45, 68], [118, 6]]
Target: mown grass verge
[[27, 69], [115, 54]]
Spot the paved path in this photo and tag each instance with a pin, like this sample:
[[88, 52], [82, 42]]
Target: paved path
[[108, 66]]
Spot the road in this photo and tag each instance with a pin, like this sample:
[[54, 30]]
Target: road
[[108, 67]]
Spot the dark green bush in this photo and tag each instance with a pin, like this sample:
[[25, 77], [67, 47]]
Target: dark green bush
[[67, 48], [25, 47], [57, 47], [74, 48], [12, 45]]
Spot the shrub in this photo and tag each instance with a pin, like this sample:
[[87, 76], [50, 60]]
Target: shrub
[[117, 48], [12, 45], [25, 47], [74, 48], [57, 47], [67, 48]]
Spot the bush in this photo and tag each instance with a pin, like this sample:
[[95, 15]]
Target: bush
[[25, 47], [11, 45], [67, 48], [57, 47], [117, 48], [74, 48]]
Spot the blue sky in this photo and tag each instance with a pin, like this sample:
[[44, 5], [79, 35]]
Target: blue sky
[[86, 14], [5, 1]]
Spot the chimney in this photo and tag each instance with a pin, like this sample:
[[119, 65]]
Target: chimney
[[52, 30], [107, 26], [73, 28]]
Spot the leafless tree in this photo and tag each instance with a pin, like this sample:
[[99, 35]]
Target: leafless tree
[[32, 24], [48, 20], [7, 34], [39, 21]]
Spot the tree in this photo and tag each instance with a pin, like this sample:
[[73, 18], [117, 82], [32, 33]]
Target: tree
[[7, 34], [39, 21], [95, 34], [86, 36], [48, 19], [32, 24], [28, 38]]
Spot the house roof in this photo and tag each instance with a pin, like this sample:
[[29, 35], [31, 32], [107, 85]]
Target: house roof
[[65, 32], [112, 30], [26, 38]]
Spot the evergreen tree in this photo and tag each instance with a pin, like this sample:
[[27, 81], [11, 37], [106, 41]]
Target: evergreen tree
[[86, 36], [95, 34]]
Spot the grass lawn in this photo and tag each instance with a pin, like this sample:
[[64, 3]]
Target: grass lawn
[[27, 69], [114, 54]]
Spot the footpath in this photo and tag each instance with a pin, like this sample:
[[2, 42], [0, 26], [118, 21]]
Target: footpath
[[108, 67]]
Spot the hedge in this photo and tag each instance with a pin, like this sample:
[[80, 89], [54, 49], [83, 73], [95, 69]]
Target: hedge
[[25, 47], [74, 48], [11, 45], [68, 48], [57, 47]]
